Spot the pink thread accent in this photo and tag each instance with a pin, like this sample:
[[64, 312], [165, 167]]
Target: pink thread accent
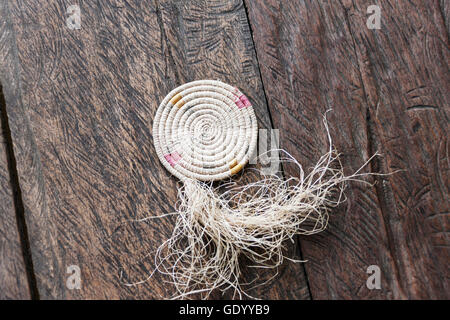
[[245, 100], [169, 159], [173, 158], [239, 103], [176, 156]]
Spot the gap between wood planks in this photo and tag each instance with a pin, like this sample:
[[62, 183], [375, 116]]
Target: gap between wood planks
[[172, 61], [18, 202], [272, 125]]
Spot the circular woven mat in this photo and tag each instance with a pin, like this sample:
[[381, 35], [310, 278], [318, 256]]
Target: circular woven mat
[[205, 130]]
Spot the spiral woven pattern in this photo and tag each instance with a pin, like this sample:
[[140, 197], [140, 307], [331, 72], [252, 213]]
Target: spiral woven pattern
[[205, 130]]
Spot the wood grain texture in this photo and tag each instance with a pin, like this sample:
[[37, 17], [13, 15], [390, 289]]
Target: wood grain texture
[[389, 92], [406, 79], [13, 277], [82, 132], [212, 39]]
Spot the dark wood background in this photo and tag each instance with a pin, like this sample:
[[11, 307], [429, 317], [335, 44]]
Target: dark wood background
[[77, 160]]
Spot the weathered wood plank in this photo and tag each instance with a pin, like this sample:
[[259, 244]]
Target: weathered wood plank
[[212, 39], [82, 132], [307, 60], [315, 55], [13, 277], [405, 73]]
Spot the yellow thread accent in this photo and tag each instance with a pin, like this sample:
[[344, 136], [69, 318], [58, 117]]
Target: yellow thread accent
[[175, 99], [180, 103], [236, 168], [233, 163]]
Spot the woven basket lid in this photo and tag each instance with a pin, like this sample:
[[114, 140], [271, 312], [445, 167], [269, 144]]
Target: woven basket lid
[[205, 130]]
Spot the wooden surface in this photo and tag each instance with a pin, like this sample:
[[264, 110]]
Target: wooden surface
[[389, 90], [14, 281], [80, 103], [13, 277]]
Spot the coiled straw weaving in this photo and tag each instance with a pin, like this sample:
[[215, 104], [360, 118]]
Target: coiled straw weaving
[[205, 130]]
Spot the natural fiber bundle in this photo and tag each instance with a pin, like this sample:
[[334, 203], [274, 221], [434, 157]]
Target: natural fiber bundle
[[206, 131]]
